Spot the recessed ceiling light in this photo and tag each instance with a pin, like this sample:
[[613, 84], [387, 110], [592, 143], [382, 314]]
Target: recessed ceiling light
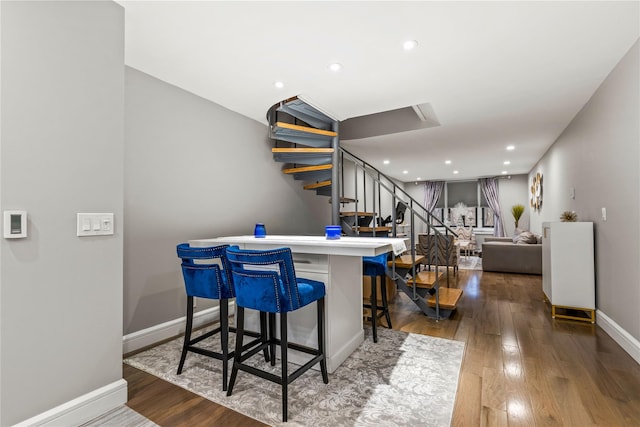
[[405, 172], [511, 147], [418, 179], [447, 162], [455, 172], [386, 162], [504, 172], [409, 44], [507, 162], [279, 84], [335, 67]]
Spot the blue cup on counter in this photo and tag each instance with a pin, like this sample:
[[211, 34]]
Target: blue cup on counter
[[260, 231], [332, 232]]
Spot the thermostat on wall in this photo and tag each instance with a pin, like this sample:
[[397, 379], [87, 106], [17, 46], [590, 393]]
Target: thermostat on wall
[[15, 224]]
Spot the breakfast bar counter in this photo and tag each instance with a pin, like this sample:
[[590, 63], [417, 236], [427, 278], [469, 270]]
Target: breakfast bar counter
[[338, 264]]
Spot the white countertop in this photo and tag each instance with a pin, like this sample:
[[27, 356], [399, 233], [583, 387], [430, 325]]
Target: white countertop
[[352, 246]]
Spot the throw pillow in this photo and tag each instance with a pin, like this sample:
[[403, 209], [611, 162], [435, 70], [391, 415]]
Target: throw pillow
[[526, 238]]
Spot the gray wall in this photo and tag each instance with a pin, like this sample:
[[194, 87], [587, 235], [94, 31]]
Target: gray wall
[[510, 192], [194, 169], [598, 154], [61, 151]]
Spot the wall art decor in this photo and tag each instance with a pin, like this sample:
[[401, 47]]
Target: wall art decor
[[536, 192]]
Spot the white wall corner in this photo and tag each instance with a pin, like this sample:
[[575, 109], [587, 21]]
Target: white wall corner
[[170, 329], [619, 335], [82, 409]]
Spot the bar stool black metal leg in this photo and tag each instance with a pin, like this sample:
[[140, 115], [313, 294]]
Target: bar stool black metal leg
[[187, 334], [272, 338], [374, 306], [238, 351], [385, 304], [264, 337], [284, 361], [323, 362], [224, 339]]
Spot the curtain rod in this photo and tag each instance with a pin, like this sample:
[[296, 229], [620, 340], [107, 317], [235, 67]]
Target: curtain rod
[[471, 180]]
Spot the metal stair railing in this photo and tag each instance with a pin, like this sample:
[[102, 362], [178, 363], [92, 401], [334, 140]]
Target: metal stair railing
[[392, 188], [418, 213]]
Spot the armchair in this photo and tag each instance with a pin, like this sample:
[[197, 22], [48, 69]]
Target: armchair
[[466, 240], [446, 256]]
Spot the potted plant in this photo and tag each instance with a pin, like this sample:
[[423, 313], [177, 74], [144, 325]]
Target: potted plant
[[517, 211]]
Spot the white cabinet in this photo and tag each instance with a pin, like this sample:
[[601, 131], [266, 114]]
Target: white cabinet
[[568, 278]]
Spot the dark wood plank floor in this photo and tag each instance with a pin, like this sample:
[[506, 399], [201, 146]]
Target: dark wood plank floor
[[520, 366]]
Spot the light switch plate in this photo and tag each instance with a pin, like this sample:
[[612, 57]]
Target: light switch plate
[[15, 224], [94, 224]]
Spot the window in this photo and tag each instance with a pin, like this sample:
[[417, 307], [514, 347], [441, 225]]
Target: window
[[463, 203]]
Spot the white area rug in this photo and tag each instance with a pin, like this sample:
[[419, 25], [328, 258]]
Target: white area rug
[[469, 263], [403, 380]]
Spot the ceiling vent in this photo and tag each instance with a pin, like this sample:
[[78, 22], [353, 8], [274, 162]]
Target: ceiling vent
[[425, 113]]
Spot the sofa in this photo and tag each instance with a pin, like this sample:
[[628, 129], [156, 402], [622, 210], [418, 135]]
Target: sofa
[[520, 254]]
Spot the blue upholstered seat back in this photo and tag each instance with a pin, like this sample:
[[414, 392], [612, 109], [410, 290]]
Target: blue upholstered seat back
[[206, 280], [374, 265], [266, 281]]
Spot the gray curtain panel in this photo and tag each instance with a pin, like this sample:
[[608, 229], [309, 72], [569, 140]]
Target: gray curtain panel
[[432, 192], [489, 188]]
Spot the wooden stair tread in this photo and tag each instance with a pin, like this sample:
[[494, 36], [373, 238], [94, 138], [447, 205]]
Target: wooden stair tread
[[425, 279], [305, 129], [307, 168], [359, 214], [317, 185], [405, 261], [345, 200], [449, 298], [302, 150], [371, 229]]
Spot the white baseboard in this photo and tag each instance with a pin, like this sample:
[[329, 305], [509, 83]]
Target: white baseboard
[[619, 335], [157, 333], [82, 409]]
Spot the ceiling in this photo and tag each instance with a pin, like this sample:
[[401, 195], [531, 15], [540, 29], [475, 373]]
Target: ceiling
[[489, 74]]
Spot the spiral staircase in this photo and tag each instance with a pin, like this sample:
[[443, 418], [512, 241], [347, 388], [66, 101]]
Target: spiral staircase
[[306, 141]]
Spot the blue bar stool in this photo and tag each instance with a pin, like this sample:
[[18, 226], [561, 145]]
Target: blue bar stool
[[374, 267], [274, 291], [211, 280]]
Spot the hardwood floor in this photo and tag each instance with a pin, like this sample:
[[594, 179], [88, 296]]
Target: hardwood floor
[[520, 366]]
